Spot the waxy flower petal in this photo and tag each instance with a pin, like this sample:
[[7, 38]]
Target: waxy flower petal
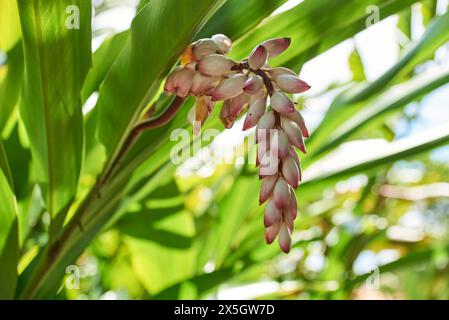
[[284, 240], [205, 47], [290, 171], [293, 207], [281, 194], [258, 57], [223, 42], [179, 82], [255, 113], [202, 84], [266, 188], [271, 232], [291, 84], [229, 88], [215, 65], [279, 143], [276, 46], [299, 120], [272, 214], [253, 85], [281, 103], [293, 133], [276, 72]]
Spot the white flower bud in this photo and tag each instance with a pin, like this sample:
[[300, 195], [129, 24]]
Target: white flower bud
[[205, 47], [290, 171], [223, 42], [271, 232], [253, 85], [276, 72], [215, 65], [255, 113], [272, 214], [266, 188], [281, 194], [284, 238], [293, 133], [299, 120]]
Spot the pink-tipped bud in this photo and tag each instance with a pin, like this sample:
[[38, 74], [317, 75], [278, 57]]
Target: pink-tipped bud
[[258, 57], [229, 88], [204, 47], [255, 112], [276, 72], [202, 84], [291, 84], [288, 220], [271, 215], [253, 85], [281, 103], [269, 165], [290, 171], [281, 194], [266, 188], [271, 232], [237, 104], [293, 133], [215, 65], [223, 42], [264, 125], [225, 118], [299, 120], [285, 240], [279, 143], [293, 207], [276, 46], [179, 82], [262, 148]]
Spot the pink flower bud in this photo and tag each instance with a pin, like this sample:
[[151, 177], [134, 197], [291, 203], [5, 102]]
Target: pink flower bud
[[258, 57], [223, 42], [293, 133], [271, 232], [264, 125], [293, 207], [284, 238], [279, 144], [225, 117], [179, 82], [255, 112], [269, 165], [276, 72], [266, 189], [281, 194], [276, 46], [214, 65], [229, 88], [288, 220], [281, 103], [237, 104], [253, 85], [291, 84], [297, 117], [290, 171], [204, 47], [202, 84], [262, 148], [272, 214]]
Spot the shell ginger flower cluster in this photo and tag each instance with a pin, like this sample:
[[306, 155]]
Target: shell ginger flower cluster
[[252, 86]]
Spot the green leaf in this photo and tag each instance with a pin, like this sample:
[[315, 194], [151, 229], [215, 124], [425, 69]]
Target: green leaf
[[391, 100], [237, 17], [313, 32], [57, 58], [151, 51], [351, 102], [9, 247], [328, 172], [9, 25], [102, 60], [10, 86], [356, 66], [428, 10]]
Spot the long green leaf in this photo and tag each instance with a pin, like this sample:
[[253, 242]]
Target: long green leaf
[[57, 50], [313, 32], [389, 101], [159, 33], [9, 241], [10, 87], [9, 24]]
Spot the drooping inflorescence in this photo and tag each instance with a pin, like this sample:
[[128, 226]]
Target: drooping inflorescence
[[208, 75]]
